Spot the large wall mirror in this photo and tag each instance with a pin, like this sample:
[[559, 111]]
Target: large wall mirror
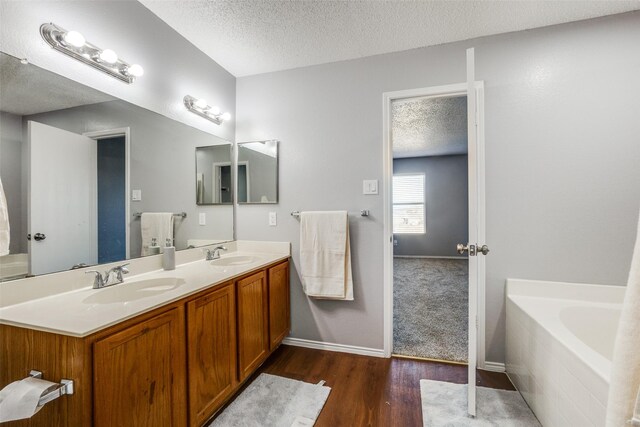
[[91, 179], [257, 172]]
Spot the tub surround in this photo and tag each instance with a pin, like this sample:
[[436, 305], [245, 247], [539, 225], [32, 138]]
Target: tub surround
[[560, 340], [65, 303]]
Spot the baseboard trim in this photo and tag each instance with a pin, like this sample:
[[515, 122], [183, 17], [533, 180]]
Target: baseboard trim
[[341, 348], [430, 257], [494, 367]]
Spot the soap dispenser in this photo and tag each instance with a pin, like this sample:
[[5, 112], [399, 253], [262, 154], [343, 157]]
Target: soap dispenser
[[154, 248], [169, 256]]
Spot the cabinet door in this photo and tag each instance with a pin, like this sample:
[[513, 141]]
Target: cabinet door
[[253, 333], [211, 328], [139, 374], [279, 314]]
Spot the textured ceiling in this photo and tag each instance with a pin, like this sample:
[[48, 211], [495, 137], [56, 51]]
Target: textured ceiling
[[429, 127], [258, 36], [27, 89]]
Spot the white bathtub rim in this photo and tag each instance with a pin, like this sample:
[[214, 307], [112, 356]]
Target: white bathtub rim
[[564, 290], [591, 359]]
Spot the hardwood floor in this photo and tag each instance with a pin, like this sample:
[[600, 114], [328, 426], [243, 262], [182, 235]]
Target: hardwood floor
[[369, 391]]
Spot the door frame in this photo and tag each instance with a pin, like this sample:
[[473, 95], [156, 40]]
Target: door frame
[[112, 133], [459, 89]]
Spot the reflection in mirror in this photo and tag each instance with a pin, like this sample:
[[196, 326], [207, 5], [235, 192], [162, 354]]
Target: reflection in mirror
[[82, 171], [213, 175], [257, 172]]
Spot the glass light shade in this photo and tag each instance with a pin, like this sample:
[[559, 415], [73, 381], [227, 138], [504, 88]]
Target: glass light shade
[[135, 70], [74, 38], [108, 56], [215, 110], [226, 116], [200, 103]]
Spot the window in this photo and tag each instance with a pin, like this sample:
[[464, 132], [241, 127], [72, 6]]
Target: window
[[408, 204]]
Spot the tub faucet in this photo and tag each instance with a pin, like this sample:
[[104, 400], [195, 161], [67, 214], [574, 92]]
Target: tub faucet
[[103, 281], [214, 253]]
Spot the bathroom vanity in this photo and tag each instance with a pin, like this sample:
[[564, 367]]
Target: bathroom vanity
[[162, 348]]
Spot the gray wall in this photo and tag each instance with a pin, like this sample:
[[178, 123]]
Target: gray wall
[[162, 165], [562, 155], [446, 203], [173, 66], [11, 174]]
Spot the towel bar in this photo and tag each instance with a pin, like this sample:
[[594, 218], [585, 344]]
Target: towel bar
[[181, 214], [364, 212], [66, 387]]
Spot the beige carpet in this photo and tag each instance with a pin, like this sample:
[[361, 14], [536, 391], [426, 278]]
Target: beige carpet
[[445, 405], [430, 308]]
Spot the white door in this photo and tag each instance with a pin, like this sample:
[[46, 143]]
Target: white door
[[475, 246], [62, 199]]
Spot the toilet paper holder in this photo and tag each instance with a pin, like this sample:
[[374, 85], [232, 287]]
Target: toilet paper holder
[[66, 387]]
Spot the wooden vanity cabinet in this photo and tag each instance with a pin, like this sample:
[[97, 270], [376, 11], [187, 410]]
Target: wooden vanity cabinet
[[211, 339], [279, 307], [139, 374], [135, 373], [253, 323]]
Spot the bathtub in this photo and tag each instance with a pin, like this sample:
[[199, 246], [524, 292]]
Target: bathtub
[[559, 346], [13, 266]]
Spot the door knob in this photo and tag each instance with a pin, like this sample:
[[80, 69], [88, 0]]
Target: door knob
[[39, 236], [462, 248], [484, 249]]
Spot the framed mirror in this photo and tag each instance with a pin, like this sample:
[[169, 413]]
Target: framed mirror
[[214, 185], [81, 170], [257, 172]]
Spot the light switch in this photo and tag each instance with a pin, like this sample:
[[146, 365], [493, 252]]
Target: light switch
[[136, 195], [202, 218], [273, 219], [370, 186]]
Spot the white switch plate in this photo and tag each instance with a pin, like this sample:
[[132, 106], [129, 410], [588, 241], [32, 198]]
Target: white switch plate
[[370, 186], [273, 219], [136, 195], [202, 218]]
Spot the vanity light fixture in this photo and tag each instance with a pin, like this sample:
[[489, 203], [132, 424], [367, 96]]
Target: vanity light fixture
[[202, 109], [73, 43]]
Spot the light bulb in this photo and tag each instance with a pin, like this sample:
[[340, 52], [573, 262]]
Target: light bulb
[[215, 110], [226, 116], [74, 38], [135, 70], [108, 56], [200, 103]]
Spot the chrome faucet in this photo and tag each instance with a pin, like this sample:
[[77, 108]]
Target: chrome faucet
[[103, 280], [214, 253]]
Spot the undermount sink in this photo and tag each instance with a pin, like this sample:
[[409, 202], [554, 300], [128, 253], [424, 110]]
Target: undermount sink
[[135, 290], [234, 260]]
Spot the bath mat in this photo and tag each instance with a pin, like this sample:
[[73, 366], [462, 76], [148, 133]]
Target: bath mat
[[445, 404], [430, 308], [273, 401]]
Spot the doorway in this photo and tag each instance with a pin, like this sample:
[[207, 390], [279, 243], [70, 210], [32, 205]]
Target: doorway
[[475, 188], [430, 216]]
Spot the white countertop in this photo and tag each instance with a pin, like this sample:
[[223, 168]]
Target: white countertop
[[84, 311]]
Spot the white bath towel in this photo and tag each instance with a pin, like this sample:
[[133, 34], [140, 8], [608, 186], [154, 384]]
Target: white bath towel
[[158, 225], [625, 368], [325, 256], [5, 237]]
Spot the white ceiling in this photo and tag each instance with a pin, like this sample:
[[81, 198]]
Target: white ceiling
[[258, 36], [429, 127], [27, 89]]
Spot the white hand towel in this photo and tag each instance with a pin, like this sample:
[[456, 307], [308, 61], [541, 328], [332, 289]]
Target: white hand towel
[[625, 368], [158, 225], [325, 256], [5, 237]]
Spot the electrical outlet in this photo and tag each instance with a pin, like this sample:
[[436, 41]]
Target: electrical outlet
[[202, 218], [136, 195], [273, 219]]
